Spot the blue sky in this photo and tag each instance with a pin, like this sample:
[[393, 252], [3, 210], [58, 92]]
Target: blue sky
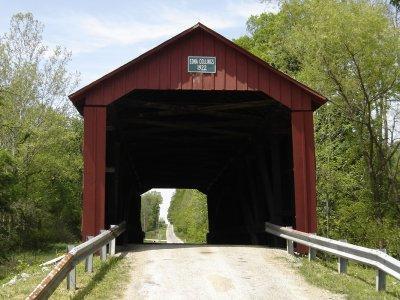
[[103, 35]]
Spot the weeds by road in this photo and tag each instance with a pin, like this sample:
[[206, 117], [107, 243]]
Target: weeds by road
[[358, 283], [106, 282]]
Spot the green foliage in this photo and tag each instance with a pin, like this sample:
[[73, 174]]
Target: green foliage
[[150, 212], [188, 213], [348, 51], [40, 141], [358, 283]]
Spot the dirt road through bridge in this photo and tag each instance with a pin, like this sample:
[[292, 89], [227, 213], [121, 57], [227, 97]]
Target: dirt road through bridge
[[171, 237], [172, 271]]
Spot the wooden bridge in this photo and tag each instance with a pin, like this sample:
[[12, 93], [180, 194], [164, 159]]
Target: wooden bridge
[[233, 127]]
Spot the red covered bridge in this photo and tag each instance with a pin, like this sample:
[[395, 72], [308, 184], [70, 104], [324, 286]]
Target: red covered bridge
[[243, 135]]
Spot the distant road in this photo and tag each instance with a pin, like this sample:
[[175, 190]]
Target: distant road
[[171, 237]]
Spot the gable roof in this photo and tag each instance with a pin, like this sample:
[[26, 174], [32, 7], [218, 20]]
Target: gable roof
[[78, 97]]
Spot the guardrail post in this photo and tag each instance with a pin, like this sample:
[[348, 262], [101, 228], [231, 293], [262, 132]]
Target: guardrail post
[[89, 260], [103, 250], [342, 262], [71, 277], [290, 247], [312, 253], [112, 244], [380, 279]]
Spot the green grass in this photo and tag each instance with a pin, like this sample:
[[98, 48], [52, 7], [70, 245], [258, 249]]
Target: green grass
[[156, 234], [358, 283], [108, 281], [25, 261]]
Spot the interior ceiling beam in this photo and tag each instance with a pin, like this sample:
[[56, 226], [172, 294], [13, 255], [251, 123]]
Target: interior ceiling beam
[[236, 115], [188, 126], [180, 140], [204, 123], [174, 110]]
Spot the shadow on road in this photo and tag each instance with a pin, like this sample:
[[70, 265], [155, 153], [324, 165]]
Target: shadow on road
[[153, 246]]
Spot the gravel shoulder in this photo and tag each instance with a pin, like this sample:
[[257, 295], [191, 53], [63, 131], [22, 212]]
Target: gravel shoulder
[[170, 271]]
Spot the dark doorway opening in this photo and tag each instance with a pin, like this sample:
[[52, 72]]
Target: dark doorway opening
[[234, 146]]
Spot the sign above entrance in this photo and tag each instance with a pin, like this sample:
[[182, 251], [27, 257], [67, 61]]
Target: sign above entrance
[[202, 64]]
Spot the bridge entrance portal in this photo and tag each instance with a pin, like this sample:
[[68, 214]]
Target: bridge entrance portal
[[242, 135]]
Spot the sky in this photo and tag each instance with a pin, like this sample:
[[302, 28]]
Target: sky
[[102, 35]]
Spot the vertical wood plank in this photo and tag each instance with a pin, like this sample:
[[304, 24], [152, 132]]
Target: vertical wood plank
[[154, 73], [142, 75], [299, 170], [274, 86], [230, 69], [300, 100], [197, 49], [100, 166], [165, 74], [285, 93], [220, 56], [311, 170], [129, 80], [89, 204], [263, 80], [175, 68], [304, 171], [252, 75], [94, 170], [208, 50], [187, 82], [241, 72]]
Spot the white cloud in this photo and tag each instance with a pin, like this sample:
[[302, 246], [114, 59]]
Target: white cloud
[[102, 33], [87, 33]]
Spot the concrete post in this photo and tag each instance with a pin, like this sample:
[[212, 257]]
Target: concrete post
[[380, 279], [89, 260], [103, 250], [290, 247], [312, 254], [112, 244], [342, 262], [71, 277]]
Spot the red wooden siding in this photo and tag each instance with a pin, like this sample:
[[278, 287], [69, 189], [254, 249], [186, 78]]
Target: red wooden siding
[[94, 154], [168, 70], [304, 170]]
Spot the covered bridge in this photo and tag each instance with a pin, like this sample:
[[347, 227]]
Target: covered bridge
[[200, 112]]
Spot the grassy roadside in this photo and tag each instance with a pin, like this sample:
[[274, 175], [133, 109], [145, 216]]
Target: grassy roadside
[[156, 234], [358, 283], [108, 280]]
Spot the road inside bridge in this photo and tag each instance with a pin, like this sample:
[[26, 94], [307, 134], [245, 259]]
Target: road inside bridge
[[182, 271], [171, 237]]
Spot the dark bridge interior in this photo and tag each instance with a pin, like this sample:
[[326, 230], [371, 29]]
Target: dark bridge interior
[[234, 146]]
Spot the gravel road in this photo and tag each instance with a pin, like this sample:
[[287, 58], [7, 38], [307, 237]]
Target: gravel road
[[171, 237], [172, 271]]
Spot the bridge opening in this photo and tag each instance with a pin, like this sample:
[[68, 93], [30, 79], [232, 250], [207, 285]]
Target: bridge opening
[[174, 216], [234, 146]]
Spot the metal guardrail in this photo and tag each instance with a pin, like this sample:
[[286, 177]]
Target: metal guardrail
[[66, 266], [384, 263]]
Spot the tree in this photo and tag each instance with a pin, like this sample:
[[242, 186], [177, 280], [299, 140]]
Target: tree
[[349, 51], [40, 140], [150, 212], [188, 213]]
